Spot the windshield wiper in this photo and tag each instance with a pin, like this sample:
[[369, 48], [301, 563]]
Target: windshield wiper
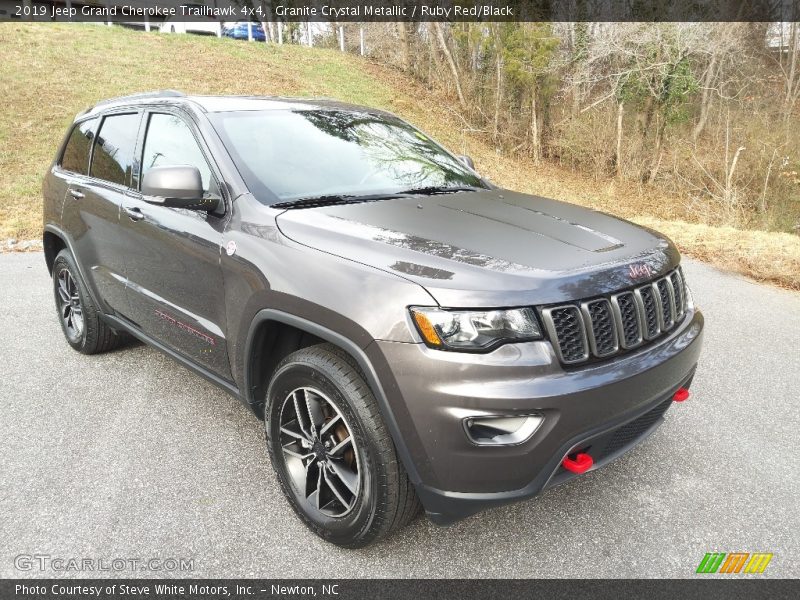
[[325, 200], [440, 189], [333, 199]]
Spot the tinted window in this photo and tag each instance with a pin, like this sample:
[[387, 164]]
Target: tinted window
[[76, 153], [113, 149], [308, 153], [170, 142]]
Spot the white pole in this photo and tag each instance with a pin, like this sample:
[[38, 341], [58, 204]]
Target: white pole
[[69, 9], [361, 35], [308, 33], [219, 29], [341, 38], [146, 23], [280, 32], [249, 31]]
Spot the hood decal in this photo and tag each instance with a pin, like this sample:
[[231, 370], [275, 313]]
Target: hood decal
[[562, 230], [614, 242], [418, 270], [434, 248]]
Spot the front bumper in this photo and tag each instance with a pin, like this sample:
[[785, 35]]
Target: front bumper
[[430, 392]]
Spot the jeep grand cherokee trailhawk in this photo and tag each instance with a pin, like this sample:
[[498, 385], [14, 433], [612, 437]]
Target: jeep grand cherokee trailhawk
[[410, 333]]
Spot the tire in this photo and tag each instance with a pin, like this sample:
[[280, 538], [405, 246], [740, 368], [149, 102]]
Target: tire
[[366, 493], [80, 320]]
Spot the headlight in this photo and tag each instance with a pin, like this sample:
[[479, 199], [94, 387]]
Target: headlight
[[469, 330]]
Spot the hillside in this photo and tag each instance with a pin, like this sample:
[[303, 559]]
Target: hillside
[[49, 72]]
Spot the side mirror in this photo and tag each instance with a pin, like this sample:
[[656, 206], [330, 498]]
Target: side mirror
[[466, 160], [178, 186]]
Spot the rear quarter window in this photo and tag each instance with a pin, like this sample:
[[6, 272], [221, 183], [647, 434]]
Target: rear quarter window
[[76, 152]]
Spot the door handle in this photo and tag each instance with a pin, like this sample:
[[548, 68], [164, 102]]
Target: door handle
[[134, 213], [77, 194]]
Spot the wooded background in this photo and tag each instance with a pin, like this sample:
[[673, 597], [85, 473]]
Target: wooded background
[[708, 111]]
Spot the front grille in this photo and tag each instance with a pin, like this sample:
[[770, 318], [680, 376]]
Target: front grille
[[604, 327], [664, 288], [650, 308], [602, 333], [569, 329], [630, 323]]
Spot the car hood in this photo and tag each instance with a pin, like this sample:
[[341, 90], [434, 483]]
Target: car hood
[[488, 248]]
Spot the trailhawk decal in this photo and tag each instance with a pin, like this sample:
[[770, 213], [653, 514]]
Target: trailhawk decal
[[187, 328]]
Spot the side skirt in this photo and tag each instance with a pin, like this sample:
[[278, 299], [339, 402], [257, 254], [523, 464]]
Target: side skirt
[[122, 324]]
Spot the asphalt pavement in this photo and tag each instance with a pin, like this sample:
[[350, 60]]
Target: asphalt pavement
[[128, 455]]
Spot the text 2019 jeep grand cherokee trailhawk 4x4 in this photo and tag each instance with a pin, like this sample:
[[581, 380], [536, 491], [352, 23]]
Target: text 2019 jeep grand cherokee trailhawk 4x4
[[410, 331]]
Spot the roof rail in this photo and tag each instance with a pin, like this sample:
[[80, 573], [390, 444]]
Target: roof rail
[[140, 96], [143, 96]]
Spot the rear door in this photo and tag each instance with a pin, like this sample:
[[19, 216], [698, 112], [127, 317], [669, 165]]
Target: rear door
[[92, 204], [175, 285]]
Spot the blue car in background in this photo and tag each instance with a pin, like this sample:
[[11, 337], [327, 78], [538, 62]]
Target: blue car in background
[[238, 31]]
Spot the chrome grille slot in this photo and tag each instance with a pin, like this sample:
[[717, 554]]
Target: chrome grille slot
[[652, 320], [629, 320], [666, 303], [566, 328], [603, 327], [680, 294]]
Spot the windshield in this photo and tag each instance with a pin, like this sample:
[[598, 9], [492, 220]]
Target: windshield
[[286, 155]]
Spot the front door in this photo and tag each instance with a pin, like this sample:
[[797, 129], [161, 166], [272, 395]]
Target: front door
[[175, 285]]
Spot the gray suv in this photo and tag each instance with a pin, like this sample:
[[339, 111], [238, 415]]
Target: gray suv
[[411, 335]]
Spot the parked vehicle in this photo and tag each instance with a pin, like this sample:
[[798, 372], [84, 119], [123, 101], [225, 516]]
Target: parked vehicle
[[239, 31], [409, 332], [198, 26]]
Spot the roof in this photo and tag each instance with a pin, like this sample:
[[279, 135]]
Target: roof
[[228, 103]]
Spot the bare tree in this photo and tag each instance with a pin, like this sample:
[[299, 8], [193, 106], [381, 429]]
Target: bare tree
[[450, 62]]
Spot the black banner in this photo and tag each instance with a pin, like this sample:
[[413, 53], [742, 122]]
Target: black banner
[[138, 11], [391, 589]]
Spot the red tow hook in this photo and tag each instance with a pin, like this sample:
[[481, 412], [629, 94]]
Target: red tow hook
[[681, 395], [580, 464]]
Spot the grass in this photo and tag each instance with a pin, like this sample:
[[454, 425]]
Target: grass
[[52, 71]]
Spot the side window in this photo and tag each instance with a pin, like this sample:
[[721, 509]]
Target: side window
[[76, 152], [113, 148], [170, 142]]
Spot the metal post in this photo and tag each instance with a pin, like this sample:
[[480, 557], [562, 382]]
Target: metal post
[[249, 31], [146, 22], [308, 33], [69, 10], [280, 32], [341, 38]]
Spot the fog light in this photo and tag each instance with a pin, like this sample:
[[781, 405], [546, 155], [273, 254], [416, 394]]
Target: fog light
[[500, 430]]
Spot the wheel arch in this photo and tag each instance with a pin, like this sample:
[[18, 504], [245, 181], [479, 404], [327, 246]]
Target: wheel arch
[[53, 243], [274, 334]]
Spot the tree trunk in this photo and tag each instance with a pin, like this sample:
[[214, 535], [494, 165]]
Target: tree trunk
[[618, 157], [451, 63], [705, 97], [402, 31], [657, 154], [793, 76], [535, 134], [498, 95]]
